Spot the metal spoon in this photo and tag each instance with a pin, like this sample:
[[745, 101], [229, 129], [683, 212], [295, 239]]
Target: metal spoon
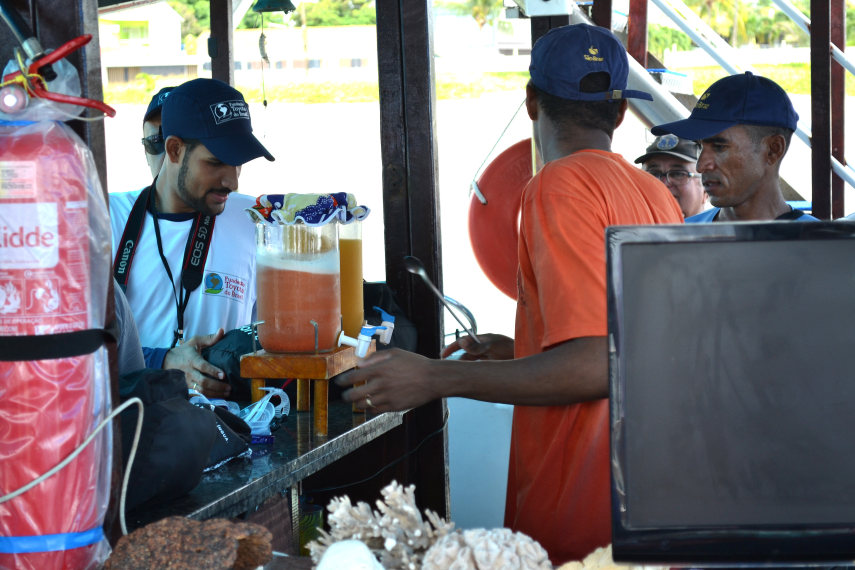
[[415, 266]]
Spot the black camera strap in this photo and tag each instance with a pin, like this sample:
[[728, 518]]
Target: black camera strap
[[195, 252]]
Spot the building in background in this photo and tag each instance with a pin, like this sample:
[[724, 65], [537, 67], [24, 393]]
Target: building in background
[[142, 39], [146, 39]]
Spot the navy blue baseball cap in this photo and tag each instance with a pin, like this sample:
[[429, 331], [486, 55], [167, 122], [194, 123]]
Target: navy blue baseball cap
[[745, 99], [562, 57], [216, 114], [156, 103]]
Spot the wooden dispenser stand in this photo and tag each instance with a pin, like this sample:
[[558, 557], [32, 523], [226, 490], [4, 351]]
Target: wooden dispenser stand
[[314, 368]]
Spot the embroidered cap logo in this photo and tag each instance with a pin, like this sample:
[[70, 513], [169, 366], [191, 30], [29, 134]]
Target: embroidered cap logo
[[592, 54], [229, 110]]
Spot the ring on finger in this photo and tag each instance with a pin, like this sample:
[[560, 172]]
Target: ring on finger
[[368, 403]]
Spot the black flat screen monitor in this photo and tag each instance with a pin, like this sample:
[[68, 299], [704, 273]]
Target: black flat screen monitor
[[732, 387]]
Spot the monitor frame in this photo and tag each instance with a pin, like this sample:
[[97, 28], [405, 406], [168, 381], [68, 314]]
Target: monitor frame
[[707, 544]]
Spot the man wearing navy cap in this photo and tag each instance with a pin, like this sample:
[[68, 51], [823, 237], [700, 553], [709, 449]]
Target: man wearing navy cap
[[745, 124], [152, 134], [184, 247], [555, 371]]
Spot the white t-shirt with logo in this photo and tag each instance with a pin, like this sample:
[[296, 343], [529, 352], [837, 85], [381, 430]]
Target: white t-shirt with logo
[[225, 298]]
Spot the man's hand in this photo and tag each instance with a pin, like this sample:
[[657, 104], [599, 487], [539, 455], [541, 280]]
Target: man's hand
[[391, 380], [200, 374], [491, 347]]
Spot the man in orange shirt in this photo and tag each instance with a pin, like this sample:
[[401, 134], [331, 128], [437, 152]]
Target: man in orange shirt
[[556, 372]]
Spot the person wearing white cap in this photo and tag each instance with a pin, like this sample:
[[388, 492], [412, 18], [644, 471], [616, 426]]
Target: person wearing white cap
[[184, 248], [672, 160]]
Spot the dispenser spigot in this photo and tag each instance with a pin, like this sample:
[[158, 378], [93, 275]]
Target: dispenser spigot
[[388, 322], [362, 341]]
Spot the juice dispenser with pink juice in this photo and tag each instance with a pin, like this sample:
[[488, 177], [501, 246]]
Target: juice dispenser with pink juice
[[299, 278], [299, 296]]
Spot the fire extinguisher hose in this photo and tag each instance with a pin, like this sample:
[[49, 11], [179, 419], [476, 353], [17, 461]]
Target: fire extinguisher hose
[[16, 542]]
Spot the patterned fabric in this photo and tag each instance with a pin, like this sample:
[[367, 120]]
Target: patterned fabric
[[310, 209]]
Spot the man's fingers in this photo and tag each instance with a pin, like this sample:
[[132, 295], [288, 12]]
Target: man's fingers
[[216, 388], [206, 340], [208, 386], [208, 369], [349, 378]]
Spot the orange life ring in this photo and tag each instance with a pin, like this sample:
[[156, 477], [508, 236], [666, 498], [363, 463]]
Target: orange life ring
[[494, 226]]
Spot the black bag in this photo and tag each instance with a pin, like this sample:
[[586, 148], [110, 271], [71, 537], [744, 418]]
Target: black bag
[[231, 439], [178, 440], [226, 354]]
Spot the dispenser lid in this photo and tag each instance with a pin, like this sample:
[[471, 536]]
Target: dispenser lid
[[309, 209]]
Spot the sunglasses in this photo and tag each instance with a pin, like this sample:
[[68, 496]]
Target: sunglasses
[[153, 144]]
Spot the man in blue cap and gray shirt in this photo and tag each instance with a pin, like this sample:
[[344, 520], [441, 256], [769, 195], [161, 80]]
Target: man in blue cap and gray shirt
[[184, 248], [744, 124]]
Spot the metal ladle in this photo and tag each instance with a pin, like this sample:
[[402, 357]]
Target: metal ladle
[[414, 265]]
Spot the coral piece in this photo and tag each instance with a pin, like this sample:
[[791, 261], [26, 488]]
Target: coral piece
[[396, 533], [482, 549], [179, 543]]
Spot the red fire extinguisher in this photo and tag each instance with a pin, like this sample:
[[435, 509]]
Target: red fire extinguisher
[[54, 373]]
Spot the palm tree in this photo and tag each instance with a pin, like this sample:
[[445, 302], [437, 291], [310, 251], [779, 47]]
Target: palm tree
[[726, 17], [483, 11]]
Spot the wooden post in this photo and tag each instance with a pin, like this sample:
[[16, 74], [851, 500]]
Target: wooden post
[[303, 395], [838, 99], [411, 216], [820, 87], [636, 32], [601, 13], [220, 43]]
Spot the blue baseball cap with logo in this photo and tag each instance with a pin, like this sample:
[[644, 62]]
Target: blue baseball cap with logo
[[216, 114], [156, 104], [745, 99], [562, 57]]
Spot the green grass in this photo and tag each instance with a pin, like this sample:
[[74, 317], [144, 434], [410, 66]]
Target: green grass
[[447, 87], [794, 78]]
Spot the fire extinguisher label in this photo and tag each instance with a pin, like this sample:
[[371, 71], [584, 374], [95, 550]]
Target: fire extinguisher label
[[17, 179], [28, 236]]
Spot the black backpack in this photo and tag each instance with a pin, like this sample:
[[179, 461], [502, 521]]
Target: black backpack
[[178, 442]]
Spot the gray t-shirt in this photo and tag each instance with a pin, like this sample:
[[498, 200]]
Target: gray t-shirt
[[129, 349]]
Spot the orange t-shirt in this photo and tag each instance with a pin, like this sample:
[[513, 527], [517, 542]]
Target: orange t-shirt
[[558, 480]]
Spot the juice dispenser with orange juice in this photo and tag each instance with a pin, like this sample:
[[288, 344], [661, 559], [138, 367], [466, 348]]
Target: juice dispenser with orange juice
[[350, 255]]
